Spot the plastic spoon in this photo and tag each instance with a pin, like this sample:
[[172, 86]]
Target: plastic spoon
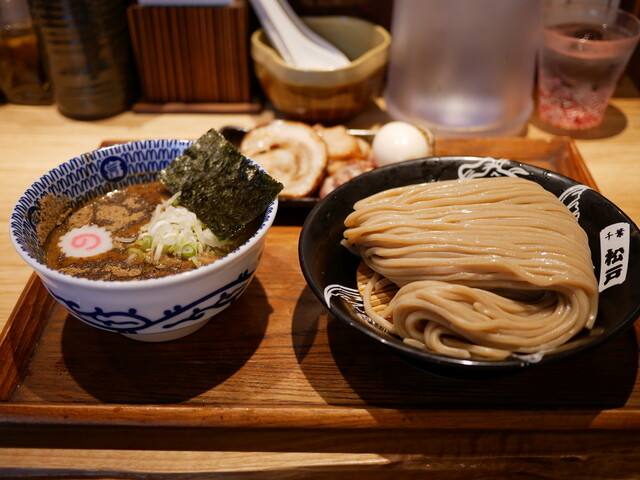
[[297, 44]]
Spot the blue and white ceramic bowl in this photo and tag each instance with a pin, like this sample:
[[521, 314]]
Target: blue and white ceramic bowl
[[158, 309]]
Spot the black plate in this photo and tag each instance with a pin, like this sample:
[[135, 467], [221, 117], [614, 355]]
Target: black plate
[[330, 270]]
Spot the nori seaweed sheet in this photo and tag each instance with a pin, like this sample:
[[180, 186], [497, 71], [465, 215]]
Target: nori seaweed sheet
[[220, 184]]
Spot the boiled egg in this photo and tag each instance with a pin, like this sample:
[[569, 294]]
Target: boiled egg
[[398, 141]]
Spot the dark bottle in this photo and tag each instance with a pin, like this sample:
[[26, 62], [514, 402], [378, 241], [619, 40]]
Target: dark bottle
[[89, 53], [23, 78]]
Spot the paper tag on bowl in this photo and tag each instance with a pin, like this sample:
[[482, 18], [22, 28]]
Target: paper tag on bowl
[[614, 255]]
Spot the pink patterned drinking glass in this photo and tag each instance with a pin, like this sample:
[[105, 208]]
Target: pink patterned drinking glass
[[584, 51]]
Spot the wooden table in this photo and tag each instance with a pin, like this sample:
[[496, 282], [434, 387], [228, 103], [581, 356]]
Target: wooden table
[[34, 139]]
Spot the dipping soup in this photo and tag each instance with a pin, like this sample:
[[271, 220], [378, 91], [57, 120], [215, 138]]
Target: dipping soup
[[123, 236]]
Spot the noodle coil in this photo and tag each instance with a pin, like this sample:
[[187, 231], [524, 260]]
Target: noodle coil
[[483, 268]]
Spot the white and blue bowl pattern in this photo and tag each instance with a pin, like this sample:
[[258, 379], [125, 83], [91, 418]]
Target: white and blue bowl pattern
[[153, 309]]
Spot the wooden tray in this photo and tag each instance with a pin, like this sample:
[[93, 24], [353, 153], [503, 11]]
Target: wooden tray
[[277, 359]]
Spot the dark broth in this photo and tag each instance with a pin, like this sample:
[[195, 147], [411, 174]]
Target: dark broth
[[122, 212]]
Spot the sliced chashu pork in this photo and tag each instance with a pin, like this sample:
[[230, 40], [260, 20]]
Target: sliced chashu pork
[[342, 147], [292, 152]]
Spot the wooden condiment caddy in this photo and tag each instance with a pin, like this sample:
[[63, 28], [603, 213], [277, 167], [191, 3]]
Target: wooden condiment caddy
[[193, 58]]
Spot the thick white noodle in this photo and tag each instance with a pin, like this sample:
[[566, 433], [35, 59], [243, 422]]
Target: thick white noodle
[[485, 267]]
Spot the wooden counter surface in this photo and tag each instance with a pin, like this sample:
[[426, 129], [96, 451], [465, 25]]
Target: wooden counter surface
[[35, 139]]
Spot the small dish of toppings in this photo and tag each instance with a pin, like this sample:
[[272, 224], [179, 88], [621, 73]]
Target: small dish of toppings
[[312, 160]]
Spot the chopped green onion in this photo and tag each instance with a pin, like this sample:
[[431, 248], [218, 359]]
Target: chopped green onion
[[138, 253], [144, 242], [175, 230]]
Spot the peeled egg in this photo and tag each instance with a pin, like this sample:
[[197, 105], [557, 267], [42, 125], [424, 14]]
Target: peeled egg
[[398, 141]]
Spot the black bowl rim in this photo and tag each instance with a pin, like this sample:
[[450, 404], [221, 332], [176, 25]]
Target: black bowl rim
[[412, 354]]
